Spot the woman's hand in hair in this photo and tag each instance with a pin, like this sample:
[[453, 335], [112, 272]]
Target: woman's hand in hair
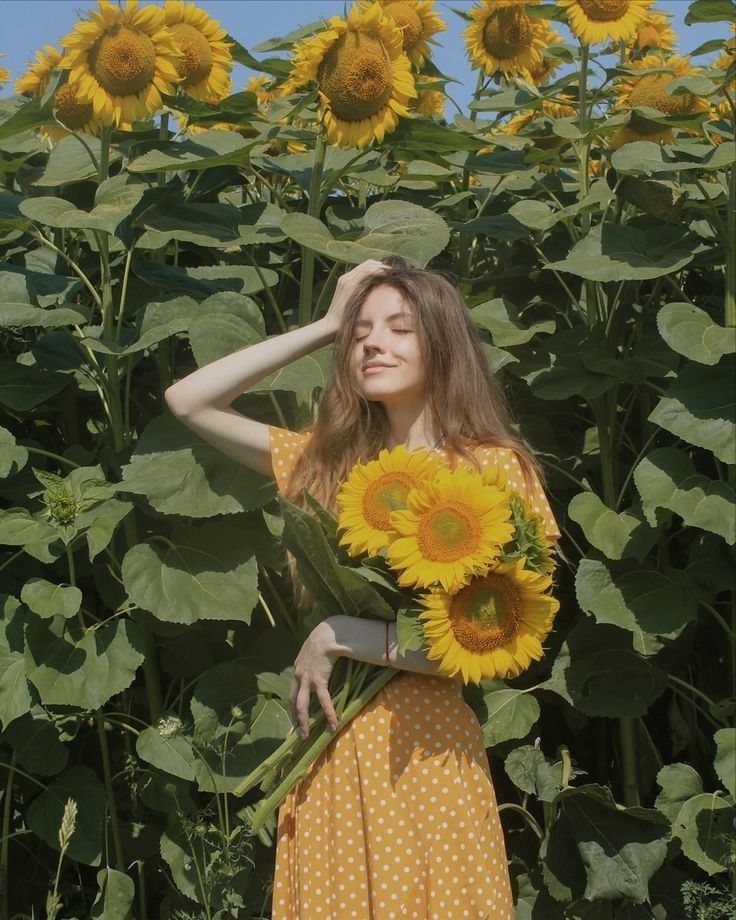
[[312, 670], [346, 286]]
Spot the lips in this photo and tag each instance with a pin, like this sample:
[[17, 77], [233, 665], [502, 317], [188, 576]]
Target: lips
[[374, 366]]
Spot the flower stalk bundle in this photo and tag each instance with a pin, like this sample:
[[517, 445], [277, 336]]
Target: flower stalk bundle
[[457, 558]]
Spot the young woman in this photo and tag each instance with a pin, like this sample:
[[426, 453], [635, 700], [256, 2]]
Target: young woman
[[398, 817]]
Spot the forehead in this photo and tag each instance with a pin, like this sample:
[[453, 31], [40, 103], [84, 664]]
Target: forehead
[[384, 303]]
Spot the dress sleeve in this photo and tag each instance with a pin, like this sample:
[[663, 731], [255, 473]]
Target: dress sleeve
[[286, 446], [508, 462]]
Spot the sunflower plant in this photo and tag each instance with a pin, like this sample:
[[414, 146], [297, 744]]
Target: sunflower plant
[[472, 543]]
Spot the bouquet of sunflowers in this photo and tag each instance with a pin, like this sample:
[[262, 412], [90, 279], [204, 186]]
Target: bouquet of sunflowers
[[456, 557]]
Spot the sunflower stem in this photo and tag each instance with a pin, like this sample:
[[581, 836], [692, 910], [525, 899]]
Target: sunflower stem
[[465, 238], [315, 186]]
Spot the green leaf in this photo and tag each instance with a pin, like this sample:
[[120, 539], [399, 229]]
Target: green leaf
[[15, 699], [208, 149], [530, 771], [23, 316], [572, 362], [666, 478], [704, 826], [501, 319], [301, 376], [13, 456], [171, 753], [219, 328], [617, 535], [23, 388], [46, 810], [48, 599], [201, 573], [115, 199], [709, 11], [700, 408], [615, 252], [36, 744], [180, 473], [69, 162], [390, 228], [409, 631], [597, 849], [679, 783], [212, 225], [690, 331], [650, 158], [725, 760], [115, 897], [108, 515], [224, 696], [11, 215], [503, 712], [71, 666], [205, 280], [588, 667]]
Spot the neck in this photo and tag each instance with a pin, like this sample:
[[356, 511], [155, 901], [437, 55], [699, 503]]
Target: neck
[[412, 426]]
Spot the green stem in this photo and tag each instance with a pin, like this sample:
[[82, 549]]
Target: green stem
[[4, 842], [716, 616], [307, 274], [731, 249], [465, 237], [117, 839], [87, 283]]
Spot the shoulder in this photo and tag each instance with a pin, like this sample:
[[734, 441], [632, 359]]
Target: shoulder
[[504, 458]]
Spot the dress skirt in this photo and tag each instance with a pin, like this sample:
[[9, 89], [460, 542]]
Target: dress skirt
[[397, 818]]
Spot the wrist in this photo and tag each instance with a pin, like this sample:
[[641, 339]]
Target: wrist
[[327, 327]]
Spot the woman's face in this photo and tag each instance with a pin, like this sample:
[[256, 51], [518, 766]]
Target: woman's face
[[385, 333]]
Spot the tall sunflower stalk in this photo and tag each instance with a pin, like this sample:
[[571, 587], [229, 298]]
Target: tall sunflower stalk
[[467, 569]]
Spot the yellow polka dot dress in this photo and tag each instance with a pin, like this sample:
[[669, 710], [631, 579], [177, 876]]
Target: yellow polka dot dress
[[397, 818]]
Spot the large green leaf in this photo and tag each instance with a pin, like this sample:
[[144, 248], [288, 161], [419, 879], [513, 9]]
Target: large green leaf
[[204, 280], [70, 161], [390, 228], [36, 744], [72, 666], [300, 376], [15, 698], [530, 771], [199, 573], [208, 149], [618, 535], [704, 825], [204, 224], [179, 473], [48, 599], [700, 408], [596, 849], [23, 388], [503, 712], [115, 897], [725, 759], [571, 362], [501, 319], [168, 750], [223, 325], [679, 783], [666, 478], [115, 199], [23, 315], [13, 456], [617, 252], [222, 697], [587, 672], [46, 810], [637, 598], [690, 331]]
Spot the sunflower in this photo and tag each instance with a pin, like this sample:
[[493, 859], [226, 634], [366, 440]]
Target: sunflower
[[260, 87], [599, 20], [4, 74], [540, 72], [69, 110], [375, 489], [450, 528], [363, 76], [723, 61], [654, 31], [503, 36], [650, 89], [544, 139], [493, 627], [417, 21], [205, 60], [430, 102], [121, 60]]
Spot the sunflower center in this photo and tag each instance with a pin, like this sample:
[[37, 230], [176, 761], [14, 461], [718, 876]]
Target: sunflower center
[[407, 19], [604, 10], [355, 75], [485, 614], [195, 61], [650, 91], [448, 532], [384, 495], [72, 113], [123, 61], [507, 32]]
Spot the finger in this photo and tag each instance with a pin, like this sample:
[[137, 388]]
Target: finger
[[323, 695], [302, 707]]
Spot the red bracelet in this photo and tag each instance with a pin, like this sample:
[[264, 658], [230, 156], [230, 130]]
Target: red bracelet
[[387, 658]]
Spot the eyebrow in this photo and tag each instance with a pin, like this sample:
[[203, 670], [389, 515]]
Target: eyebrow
[[368, 322]]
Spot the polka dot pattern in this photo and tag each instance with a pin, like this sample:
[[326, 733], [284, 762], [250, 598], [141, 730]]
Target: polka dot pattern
[[397, 818]]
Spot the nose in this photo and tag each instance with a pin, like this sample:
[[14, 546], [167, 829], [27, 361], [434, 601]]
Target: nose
[[373, 340]]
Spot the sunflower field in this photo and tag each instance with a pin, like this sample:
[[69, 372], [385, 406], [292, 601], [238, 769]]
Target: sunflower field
[[153, 218]]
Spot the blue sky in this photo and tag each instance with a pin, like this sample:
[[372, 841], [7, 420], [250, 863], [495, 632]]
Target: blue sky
[[30, 24]]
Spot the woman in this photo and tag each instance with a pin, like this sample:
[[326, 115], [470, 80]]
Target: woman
[[398, 817]]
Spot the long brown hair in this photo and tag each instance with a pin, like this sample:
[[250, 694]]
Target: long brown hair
[[466, 400]]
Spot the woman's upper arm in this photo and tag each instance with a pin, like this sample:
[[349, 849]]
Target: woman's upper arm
[[285, 448]]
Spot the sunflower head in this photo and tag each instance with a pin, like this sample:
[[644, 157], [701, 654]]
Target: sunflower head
[[363, 76], [430, 103], [120, 60], [503, 36], [602, 20], [451, 528], [417, 22], [204, 61], [4, 74], [493, 626], [37, 74], [543, 139], [650, 89], [372, 491], [654, 31]]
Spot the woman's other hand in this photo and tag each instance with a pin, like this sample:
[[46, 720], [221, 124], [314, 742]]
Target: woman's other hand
[[346, 286], [312, 670]]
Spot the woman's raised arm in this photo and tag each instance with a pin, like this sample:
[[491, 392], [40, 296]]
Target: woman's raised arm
[[201, 400]]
